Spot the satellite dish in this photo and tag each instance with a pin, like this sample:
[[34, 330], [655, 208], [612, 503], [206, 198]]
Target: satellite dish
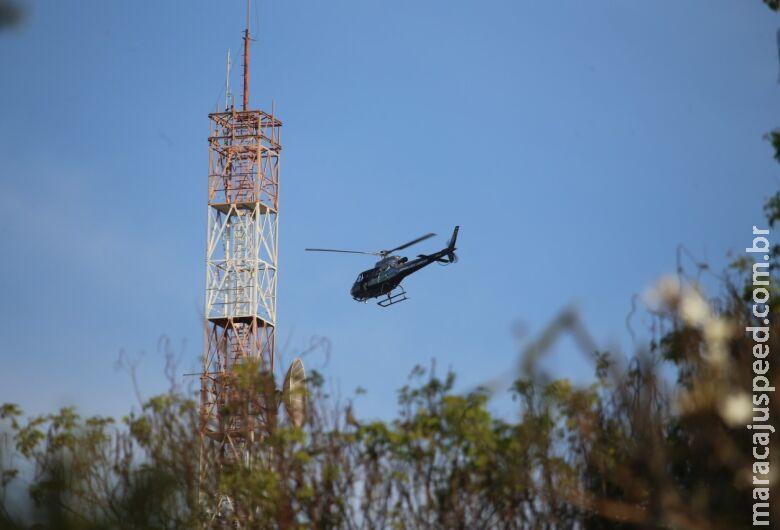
[[294, 393]]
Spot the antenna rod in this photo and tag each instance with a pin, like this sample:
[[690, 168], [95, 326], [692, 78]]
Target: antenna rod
[[246, 56], [227, 82]]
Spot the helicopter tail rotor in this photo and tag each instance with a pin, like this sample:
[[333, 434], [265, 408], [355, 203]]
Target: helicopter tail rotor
[[451, 256], [449, 259], [453, 239]]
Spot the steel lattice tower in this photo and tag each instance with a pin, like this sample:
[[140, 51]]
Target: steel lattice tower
[[241, 277]]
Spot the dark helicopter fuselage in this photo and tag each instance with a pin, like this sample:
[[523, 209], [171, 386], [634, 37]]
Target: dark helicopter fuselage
[[388, 273]]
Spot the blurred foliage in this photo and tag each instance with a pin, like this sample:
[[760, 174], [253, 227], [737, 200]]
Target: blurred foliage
[[11, 14], [774, 138], [772, 211]]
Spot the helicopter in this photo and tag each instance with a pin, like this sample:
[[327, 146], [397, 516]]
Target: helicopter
[[384, 280]]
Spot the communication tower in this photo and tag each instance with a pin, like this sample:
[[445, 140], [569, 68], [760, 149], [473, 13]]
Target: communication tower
[[241, 275]]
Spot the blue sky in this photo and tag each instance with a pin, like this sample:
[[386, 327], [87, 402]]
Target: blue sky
[[576, 143]]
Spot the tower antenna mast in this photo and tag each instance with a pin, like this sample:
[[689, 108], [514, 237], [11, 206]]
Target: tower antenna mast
[[246, 56], [228, 95]]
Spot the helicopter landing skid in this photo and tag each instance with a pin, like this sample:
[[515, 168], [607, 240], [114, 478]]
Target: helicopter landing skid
[[399, 296]]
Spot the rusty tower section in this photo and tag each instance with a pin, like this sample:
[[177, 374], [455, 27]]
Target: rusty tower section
[[241, 275]]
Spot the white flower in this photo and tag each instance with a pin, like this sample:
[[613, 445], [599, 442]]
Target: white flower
[[664, 293], [717, 330], [736, 409], [694, 310]]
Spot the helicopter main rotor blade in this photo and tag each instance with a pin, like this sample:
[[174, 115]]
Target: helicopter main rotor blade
[[341, 251], [409, 244]]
